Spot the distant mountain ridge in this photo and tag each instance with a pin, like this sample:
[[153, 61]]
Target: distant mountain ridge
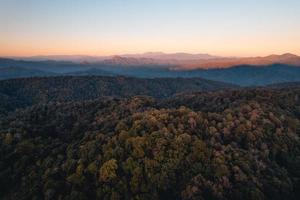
[[176, 60], [172, 56], [257, 70], [71, 58], [288, 59], [251, 75], [131, 61]]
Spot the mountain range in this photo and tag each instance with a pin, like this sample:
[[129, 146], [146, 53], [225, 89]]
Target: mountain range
[[179, 60], [247, 71]]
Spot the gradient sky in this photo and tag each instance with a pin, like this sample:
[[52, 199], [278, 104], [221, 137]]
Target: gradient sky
[[106, 27]]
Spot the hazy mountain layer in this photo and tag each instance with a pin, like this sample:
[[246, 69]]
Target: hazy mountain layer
[[180, 60], [259, 71]]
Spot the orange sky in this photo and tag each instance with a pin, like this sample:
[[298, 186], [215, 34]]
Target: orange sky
[[98, 48], [98, 28]]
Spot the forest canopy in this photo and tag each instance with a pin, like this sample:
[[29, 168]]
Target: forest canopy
[[227, 144]]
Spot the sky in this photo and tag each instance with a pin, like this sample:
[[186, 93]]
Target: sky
[[109, 27]]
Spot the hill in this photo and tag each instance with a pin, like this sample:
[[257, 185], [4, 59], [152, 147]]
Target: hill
[[18, 72], [239, 144], [47, 65], [285, 85], [31, 91], [248, 75], [91, 72]]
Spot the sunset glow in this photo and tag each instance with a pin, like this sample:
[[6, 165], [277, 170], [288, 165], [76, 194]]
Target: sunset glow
[[228, 28]]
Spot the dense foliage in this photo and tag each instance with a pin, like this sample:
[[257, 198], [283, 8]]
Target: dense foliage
[[19, 93], [241, 144]]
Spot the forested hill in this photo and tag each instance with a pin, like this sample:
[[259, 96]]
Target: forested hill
[[285, 85], [17, 93], [239, 144]]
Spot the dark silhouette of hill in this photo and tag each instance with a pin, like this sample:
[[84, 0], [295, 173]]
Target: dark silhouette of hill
[[26, 92]]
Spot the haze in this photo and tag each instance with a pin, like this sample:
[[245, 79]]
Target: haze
[[227, 28]]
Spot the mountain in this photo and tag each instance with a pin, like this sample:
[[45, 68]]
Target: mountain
[[181, 61], [160, 58], [171, 56], [127, 61], [247, 75], [115, 64], [244, 75], [91, 72], [255, 71], [70, 58], [19, 72], [173, 60], [150, 55], [288, 59], [47, 66]]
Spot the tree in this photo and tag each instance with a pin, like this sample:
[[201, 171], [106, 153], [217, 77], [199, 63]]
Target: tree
[[108, 171]]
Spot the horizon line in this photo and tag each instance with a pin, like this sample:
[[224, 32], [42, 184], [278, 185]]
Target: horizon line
[[141, 53]]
